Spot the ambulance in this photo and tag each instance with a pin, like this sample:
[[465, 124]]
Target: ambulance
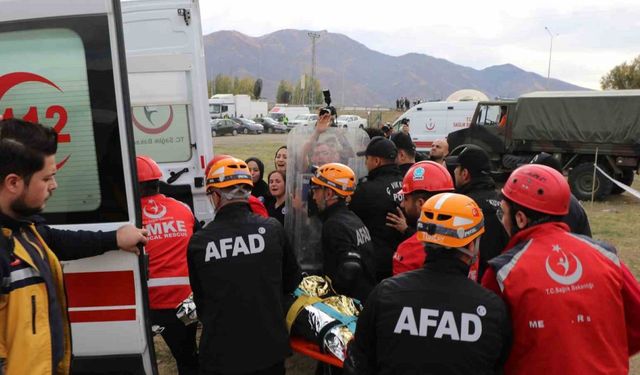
[[63, 64], [168, 88], [429, 121]]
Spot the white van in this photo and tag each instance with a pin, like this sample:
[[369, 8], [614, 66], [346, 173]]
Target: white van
[[279, 111], [167, 83], [434, 120], [62, 64]]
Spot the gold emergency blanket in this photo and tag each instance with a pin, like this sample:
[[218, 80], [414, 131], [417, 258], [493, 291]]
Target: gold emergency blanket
[[320, 315]]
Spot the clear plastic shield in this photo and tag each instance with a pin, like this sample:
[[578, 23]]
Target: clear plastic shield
[[307, 148]]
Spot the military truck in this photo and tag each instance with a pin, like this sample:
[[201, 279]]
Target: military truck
[[573, 126]]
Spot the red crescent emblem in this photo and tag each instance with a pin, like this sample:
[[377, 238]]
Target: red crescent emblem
[[157, 130], [10, 80]]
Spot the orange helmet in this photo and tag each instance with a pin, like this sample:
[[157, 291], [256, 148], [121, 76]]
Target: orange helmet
[[428, 176], [148, 170], [450, 220], [227, 172], [215, 159], [337, 177]]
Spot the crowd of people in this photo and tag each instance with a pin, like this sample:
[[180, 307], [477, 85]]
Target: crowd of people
[[456, 275], [403, 103]]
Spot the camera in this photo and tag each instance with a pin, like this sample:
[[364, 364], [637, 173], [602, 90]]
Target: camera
[[328, 109]]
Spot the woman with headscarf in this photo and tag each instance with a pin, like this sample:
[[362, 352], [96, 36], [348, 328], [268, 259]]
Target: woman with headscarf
[[260, 188]]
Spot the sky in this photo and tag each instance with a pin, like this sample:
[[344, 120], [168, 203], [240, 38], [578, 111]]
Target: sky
[[589, 37]]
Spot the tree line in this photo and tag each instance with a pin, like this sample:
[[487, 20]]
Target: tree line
[[623, 76], [286, 93]]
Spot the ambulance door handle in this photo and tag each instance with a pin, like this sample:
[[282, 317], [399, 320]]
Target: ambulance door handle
[[176, 175]]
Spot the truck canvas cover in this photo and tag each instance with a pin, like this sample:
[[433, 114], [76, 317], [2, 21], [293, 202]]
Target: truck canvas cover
[[610, 117]]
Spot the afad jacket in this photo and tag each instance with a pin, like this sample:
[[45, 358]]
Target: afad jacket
[[575, 307]]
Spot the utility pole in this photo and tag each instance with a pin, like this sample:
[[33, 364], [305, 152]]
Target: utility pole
[[550, 49], [314, 37]]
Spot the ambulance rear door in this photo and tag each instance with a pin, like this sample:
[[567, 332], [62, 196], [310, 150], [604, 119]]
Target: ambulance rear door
[[62, 64], [167, 82]]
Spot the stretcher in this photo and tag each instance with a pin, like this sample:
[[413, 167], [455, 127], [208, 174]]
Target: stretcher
[[312, 350]]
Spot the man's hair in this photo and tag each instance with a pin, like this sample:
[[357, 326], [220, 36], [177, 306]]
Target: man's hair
[[24, 146], [411, 153], [535, 217], [149, 188]]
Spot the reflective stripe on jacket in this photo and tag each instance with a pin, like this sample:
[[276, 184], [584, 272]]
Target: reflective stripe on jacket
[[170, 224], [26, 340]]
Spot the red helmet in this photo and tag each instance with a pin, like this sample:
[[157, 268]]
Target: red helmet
[[428, 176], [148, 169], [539, 188]]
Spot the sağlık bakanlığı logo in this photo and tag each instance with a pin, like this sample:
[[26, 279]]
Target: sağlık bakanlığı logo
[[430, 125], [153, 126], [562, 268], [566, 269], [11, 80], [154, 210]]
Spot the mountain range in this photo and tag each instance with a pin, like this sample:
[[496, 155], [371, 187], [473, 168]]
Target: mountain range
[[357, 75]]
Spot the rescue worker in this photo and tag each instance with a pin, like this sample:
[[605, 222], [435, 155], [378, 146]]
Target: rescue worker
[[576, 219], [240, 266], [424, 180], [171, 224], [406, 151], [30, 252], [434, 320], [575, 306], [377, 195], [473, 178], [346, 243]]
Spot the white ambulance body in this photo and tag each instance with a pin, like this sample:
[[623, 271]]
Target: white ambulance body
[[434, 120], [167, 82], [62, 63]]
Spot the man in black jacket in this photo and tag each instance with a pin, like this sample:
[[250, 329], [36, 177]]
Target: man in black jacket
[[379, 194], [240, 267], [434, 320], [473, 178], [346, 243], [406, 151]]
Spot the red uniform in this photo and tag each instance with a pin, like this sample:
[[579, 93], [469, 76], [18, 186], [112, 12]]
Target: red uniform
[[170, 224], [409, 256], [575, 308]]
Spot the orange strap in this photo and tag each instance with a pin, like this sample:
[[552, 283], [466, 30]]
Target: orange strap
[[312, 350]]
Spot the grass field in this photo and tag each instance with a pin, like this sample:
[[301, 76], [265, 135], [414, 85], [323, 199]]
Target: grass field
[[615, 221]]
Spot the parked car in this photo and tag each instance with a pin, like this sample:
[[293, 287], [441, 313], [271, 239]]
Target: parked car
[[270, 125], [224, 126], [303, 120], [249, 126], [351, 121]]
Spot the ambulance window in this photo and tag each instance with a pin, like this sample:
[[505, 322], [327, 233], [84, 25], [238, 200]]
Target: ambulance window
[[58, 72], [162, 132]]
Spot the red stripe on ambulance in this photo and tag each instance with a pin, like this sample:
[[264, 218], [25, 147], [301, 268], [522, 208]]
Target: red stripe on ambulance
[[101, 289]]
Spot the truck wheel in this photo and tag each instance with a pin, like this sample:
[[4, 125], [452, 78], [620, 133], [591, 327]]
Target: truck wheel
[[581, 182], [245, 131], [626, 178], [234, 132]]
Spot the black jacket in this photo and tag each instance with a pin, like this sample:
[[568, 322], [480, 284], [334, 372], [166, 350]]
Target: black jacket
[[431, 321], [240, 266], [577, 219], [493, 241], [346, 239], [375, 196]]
